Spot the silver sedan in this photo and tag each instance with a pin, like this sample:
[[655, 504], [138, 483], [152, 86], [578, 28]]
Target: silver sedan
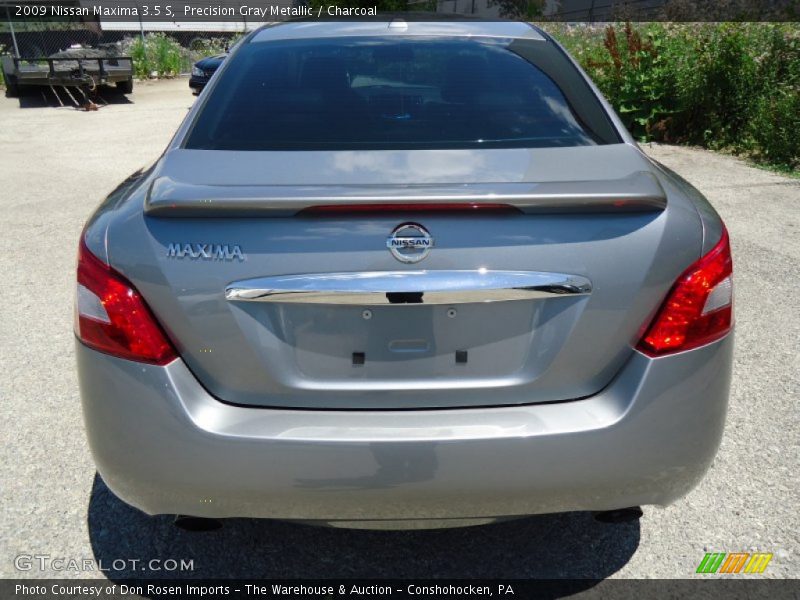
[[401, 275]]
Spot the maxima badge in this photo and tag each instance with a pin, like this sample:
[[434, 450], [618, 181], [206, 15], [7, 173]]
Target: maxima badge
[[409, 242]]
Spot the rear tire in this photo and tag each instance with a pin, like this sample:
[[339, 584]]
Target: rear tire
[[125, 87]]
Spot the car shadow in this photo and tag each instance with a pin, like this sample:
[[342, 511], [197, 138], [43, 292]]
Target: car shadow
[[44, 97], [570, 546]]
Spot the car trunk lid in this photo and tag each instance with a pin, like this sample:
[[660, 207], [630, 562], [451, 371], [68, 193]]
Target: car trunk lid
[[274, 308]]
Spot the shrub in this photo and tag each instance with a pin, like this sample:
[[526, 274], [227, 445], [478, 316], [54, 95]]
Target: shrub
[[157, 54], [774, 128], [161, 56], [202, 47], [731, 86]]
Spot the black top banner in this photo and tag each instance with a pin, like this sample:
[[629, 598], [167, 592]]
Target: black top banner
[[251, 11]]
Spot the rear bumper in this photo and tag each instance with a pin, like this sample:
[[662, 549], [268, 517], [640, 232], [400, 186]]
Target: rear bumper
[[164, 445]]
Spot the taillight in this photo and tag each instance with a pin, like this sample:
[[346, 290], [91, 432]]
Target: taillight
[[699, 307], [111, 316]]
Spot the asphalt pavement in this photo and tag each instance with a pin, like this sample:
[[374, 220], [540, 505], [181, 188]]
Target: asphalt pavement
[[57, 165]]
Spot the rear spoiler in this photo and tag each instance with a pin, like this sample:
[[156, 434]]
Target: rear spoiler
[[638, 192]]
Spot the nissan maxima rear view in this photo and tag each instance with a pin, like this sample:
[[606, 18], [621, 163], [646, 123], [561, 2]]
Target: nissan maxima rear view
[[403, 274]]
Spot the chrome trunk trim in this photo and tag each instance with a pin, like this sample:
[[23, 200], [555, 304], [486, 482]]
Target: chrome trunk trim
[[408, 287]]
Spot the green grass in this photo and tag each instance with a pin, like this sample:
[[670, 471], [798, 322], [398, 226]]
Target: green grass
[[780, 170]]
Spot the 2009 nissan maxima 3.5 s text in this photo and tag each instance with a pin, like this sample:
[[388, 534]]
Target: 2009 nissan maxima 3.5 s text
[[397, 272]]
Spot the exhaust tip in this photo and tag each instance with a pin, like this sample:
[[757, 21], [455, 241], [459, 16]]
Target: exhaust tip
[[196, 524], [619, 515]]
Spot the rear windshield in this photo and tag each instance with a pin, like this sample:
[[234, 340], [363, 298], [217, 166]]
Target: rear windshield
[[377, 93]]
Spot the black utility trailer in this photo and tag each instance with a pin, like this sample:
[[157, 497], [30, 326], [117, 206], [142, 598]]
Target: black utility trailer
[[63, 55], [84, 71]]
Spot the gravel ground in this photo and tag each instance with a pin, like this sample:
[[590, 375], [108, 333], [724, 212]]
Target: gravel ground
[[59, 163]]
